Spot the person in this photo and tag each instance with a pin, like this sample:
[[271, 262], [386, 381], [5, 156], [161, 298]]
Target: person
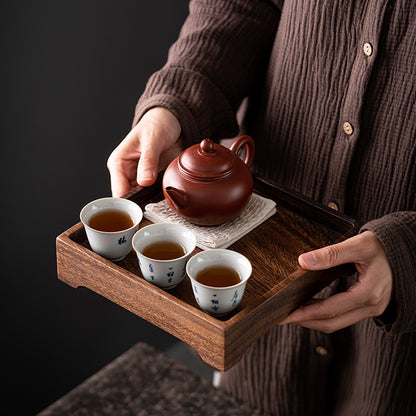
[[331, 102]]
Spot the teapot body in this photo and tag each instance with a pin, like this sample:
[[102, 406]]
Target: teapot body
[[213, 194]]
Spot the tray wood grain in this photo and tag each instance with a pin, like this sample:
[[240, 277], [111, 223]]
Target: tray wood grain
[[277, 286]]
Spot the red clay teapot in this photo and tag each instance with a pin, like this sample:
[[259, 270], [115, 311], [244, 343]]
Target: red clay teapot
[[209, 184]]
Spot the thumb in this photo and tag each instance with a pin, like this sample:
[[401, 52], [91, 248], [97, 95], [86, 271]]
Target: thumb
[[148, 166], [347, 251]]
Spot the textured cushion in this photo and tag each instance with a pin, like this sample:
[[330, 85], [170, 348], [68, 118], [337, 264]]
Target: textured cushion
[[145, 382]]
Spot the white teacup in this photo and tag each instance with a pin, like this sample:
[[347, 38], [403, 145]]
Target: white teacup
[[164, 273], [218, 301], [114, 245]]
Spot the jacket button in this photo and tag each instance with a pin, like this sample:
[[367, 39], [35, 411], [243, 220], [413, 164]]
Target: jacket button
[[322, 351], [368, 49], [348, 129], [333, 205]]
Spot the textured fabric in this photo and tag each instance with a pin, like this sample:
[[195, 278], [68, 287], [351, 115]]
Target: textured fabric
[[307, 68], [258, 210], [144, 382]]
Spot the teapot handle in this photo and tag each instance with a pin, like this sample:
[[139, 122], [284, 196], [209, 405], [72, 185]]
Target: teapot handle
[[238, 145]]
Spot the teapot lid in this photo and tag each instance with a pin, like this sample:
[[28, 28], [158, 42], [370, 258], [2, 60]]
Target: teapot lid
[[207, 160]]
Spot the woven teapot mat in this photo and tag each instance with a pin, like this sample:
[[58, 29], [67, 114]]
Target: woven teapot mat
[[258, 210]]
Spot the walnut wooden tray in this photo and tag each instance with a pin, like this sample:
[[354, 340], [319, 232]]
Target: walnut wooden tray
[[277, 286]]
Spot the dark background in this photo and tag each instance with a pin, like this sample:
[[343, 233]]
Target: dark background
[[71, 73]]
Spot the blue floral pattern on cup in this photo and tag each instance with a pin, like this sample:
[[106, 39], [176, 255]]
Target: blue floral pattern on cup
[[122, 240], [234, 299]]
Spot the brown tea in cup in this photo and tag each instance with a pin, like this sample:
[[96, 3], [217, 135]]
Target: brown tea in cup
[[111, 220], [218, 276], [164, 250]]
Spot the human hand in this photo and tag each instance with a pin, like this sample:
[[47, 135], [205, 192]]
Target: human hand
[[149, 147], [366, 298]]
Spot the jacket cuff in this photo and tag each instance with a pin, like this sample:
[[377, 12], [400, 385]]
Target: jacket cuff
[[397, 234], [201, 108]]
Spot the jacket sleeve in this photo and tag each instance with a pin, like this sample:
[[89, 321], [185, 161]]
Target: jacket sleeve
[[397, 234], [222, 47]]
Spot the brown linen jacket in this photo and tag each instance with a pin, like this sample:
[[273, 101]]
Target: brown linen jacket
[[331, 90]]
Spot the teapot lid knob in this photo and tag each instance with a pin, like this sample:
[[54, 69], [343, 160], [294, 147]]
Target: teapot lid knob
[[207, 146], [207, 160]]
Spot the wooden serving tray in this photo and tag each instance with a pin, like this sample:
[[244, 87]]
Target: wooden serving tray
[[277, 286]]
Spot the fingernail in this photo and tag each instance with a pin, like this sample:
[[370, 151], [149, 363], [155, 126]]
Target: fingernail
[[146, 175], [309, 259], [288, 321]]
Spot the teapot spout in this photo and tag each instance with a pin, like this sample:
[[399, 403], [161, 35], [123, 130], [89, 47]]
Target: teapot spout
[[179, 199]]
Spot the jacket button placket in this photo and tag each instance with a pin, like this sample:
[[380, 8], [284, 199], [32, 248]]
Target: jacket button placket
[[348, 132]]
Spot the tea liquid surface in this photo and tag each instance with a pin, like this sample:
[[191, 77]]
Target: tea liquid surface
[[164, 250], [111, 220], [218, 276]]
